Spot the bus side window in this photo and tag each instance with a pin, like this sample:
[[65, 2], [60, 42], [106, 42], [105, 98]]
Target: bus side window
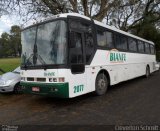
[[152, 49], [101, 41], [147, 49], [132, 44], [121, 42], [141, 46], [109, 36], [105, 38]]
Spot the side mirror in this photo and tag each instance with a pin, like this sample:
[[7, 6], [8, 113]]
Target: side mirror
[[77, 68]]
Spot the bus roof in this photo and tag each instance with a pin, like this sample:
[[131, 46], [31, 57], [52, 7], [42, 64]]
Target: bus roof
[[97, 23], [106, 26]]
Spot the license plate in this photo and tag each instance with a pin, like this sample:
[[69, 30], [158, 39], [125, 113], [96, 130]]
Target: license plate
[[35, 89]]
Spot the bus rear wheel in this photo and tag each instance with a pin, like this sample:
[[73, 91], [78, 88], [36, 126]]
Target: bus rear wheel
[[147, 71], [101, 84]]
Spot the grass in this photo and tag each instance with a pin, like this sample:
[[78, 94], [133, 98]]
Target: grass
[[9, 64]]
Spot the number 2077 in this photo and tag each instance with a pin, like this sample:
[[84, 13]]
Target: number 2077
[[78, 88]]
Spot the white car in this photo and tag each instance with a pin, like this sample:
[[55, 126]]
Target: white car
[[10, 81]]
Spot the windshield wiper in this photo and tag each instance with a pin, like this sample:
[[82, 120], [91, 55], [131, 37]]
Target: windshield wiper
[[35, 57], [41, 60], [24, 60]]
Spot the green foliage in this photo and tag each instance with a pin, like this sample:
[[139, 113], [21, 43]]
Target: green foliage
[[158, 56], [15, 39], [9, 64], [10, 44], [5, 45]]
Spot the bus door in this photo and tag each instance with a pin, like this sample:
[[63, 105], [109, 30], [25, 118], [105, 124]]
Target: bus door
[[77, 63], [82, 49]]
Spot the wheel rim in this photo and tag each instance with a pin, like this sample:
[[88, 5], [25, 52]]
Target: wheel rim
[[101, 84]]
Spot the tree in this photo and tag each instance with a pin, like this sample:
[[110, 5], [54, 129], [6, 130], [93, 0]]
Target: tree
[[15, 38], [10, 44], [5, 7], [95, 9], [5, 45], [1, 48], [123, 14], [127, 14]]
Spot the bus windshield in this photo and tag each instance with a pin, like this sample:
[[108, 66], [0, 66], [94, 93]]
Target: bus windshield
[[44, 44]]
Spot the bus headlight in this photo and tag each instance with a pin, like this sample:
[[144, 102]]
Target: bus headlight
[[52, 79], [60, 79]]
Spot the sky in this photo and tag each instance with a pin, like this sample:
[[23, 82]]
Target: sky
[[6, 22]]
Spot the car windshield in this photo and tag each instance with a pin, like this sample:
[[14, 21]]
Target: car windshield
[[44, 44]]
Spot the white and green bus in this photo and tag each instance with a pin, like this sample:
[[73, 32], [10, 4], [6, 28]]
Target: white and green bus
[[71, 55]]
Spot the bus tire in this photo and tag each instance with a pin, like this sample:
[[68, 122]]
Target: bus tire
[[101, 84], [147, 72]]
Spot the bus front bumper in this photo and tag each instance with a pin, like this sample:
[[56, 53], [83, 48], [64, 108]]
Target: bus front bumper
[[60, 90]]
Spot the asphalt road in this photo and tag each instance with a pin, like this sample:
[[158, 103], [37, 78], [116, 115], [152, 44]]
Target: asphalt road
[[133, 102]]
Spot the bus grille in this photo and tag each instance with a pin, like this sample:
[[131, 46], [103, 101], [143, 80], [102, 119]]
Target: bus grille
[[41, 79], [36, 79], [30, 79]]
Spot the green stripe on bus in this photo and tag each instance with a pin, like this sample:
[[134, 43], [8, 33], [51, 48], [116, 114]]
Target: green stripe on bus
[[48, 89]]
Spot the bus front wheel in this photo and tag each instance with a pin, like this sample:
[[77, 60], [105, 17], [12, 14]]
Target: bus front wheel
[[101, 84]]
